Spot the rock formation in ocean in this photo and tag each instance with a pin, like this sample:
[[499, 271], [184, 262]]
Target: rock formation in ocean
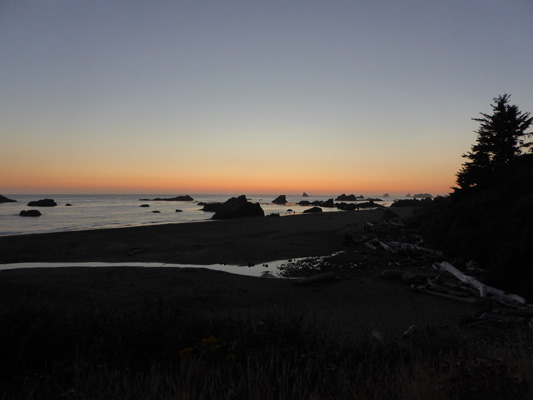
[[305, 194], [177, 198], [422, 196], [42, 203], [238, 207], [4, 199], [281, 199], [344, 197], [313, 210], [30, 213]]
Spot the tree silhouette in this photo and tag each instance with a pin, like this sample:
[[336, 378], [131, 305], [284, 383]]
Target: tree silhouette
[[501, 137]]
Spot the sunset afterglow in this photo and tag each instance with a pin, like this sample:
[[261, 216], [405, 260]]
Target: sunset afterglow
[[232, 97]]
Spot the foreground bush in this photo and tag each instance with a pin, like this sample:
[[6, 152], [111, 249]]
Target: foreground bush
[[91, 352]]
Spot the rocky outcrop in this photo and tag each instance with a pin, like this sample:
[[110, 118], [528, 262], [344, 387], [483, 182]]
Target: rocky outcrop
[[144, 205], [305, 194], [344, 197], [42, 203], [281, 199], [422, 196], [328, 203], [305, 203], [4, 199], [313, 210], [30, 213], [238, 207], [177, 198], [212, 207]]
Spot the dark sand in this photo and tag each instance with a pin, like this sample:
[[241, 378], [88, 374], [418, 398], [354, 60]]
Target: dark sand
[[357, 304]]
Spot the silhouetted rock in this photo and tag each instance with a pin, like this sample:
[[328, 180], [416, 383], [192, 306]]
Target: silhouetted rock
[[30, 213], [177, 198], [313, 210], [328, 203], [369, 204], [344, 197], [422, 196], [389, 215], [179, 211], [304, 203], [412, 202], [347, 206], [68, 205], [144, 205], [386, 195], [408, 195], [212, 207], [238, 207], [281, 199], [42, 203], [156, 212], [305, 195], [4, 199]]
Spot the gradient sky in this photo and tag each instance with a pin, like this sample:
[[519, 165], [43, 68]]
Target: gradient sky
[[252, 96]]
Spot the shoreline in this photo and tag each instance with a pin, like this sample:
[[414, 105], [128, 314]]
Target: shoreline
[[240, 241]]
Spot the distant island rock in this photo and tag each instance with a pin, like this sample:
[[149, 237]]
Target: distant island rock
[[408, 195], [305, 195], [422, 196], [386, 195], [177, 198], [238, 207], [42, 203], [30, 213], [4, 199], [281, 199]]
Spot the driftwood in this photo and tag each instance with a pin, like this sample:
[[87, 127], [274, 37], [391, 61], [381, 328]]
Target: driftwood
[[483, 289], [316, 278]]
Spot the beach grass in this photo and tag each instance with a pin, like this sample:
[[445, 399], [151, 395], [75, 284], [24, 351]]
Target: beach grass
[[90, 351]]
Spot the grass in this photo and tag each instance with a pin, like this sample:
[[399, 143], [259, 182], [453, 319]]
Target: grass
[[95, 351]]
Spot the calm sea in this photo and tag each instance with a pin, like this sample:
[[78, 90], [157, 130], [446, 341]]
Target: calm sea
[[94, 211]]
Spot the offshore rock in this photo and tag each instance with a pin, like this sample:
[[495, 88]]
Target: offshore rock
[[30, 213], [328, 203], [42, 203], [305, 194], [281, 199], [313, 210], [177, 198], [212, 207], [4, 199], [238, 207]]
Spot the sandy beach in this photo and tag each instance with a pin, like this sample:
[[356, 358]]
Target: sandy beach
[[357, 304]]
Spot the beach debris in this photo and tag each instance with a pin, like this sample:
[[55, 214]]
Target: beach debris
[[328, 276], [135, 251]]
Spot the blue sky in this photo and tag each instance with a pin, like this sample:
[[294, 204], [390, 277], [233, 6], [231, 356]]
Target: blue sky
[[347, 96]]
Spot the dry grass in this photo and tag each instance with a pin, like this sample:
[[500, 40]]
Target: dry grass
[[158, 353]]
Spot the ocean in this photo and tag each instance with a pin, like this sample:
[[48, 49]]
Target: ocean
[[94, 211]]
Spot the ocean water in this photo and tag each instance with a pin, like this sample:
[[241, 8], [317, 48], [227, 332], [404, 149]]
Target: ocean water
[[93, 211]]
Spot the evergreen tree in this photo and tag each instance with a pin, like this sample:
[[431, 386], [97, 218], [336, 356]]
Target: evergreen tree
[[501, 137]]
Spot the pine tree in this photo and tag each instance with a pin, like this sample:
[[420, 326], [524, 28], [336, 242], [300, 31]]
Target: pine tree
[[501, 137]]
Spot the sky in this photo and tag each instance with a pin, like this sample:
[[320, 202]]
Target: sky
[[255, 96]]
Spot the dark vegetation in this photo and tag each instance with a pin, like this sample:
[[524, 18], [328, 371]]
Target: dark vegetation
[[97, 351], [488, 218]]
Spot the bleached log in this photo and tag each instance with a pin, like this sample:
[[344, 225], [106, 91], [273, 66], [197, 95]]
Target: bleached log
[[386, 247], [483, 289], [370, 246], [469, 280]]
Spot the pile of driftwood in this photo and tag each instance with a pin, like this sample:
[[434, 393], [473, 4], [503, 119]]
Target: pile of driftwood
[[441, 278]]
